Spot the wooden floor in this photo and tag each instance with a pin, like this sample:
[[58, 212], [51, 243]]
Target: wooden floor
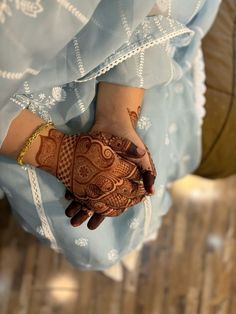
[[189, 269]]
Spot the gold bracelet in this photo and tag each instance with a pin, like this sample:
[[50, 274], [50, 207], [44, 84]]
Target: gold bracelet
[[30, 140]]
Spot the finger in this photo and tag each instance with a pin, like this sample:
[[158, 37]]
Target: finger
[[123, 203], [148, 181], [104, 209], [136, 200], [148, 171], [131, 189], [122, 200], [72, 209], [95, 221], [100, 207], [120, 145], [81, 217], [153, 168], [126, 148], [128, 170], [69, 196]]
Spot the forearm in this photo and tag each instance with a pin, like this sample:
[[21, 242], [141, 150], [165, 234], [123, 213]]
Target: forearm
[[118, 103], [20, 130]]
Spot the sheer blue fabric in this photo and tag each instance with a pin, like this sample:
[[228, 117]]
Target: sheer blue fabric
[[52, 56]]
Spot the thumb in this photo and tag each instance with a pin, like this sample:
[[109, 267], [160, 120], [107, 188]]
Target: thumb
[[133, 151], [121, 145]]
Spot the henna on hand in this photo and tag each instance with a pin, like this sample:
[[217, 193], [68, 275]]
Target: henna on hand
[[134, 115], [149, 175], [101, 181]]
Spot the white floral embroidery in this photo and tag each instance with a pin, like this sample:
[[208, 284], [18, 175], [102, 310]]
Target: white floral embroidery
[[140, 67], [146, 28], [26, 87], [144, 123], [172, 128], [58, 94], [42, 96], [124, 20], [27, 7], [81, 242], [73, 10], [80, 102], [133, 223], [21, 101], [112, 255], [17, 75], [78, 57], [197, 7], [41, 103]]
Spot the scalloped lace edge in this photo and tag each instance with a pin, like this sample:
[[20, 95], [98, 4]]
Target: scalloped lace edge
[[37, 198], [134, 52], [199, 79]]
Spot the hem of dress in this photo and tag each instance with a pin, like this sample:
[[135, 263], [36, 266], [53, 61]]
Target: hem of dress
[[38, 203], [199, 81]]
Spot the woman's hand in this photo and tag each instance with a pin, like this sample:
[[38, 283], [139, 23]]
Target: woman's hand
[[101, 181], [143, 161], [117, 112]]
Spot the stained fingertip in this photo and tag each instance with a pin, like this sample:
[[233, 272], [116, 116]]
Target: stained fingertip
[[69, 196], [72, 209], [80, 218], [135, 151], [95, 221], [148, 181]]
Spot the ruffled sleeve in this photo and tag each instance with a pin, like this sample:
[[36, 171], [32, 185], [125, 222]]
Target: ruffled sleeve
[[41, 43], [147, 59], [31, 34]]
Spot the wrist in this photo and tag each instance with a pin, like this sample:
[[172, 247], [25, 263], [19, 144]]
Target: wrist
[[20, 137], [117, 104], [34, 147]]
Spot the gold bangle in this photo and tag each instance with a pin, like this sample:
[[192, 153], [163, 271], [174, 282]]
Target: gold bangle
[[30, 140]]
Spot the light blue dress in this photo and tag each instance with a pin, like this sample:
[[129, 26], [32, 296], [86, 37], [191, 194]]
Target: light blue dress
[[52, 55]]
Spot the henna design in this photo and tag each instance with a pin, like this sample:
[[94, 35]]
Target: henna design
[[134, 116], [100, 180]]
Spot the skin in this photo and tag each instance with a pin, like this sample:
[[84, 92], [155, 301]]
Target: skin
[[118, 108], [120, 119]]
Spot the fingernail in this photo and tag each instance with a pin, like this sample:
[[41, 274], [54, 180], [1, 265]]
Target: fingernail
[[148, 181], [135, 151], [141, 151], [68, 196]]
